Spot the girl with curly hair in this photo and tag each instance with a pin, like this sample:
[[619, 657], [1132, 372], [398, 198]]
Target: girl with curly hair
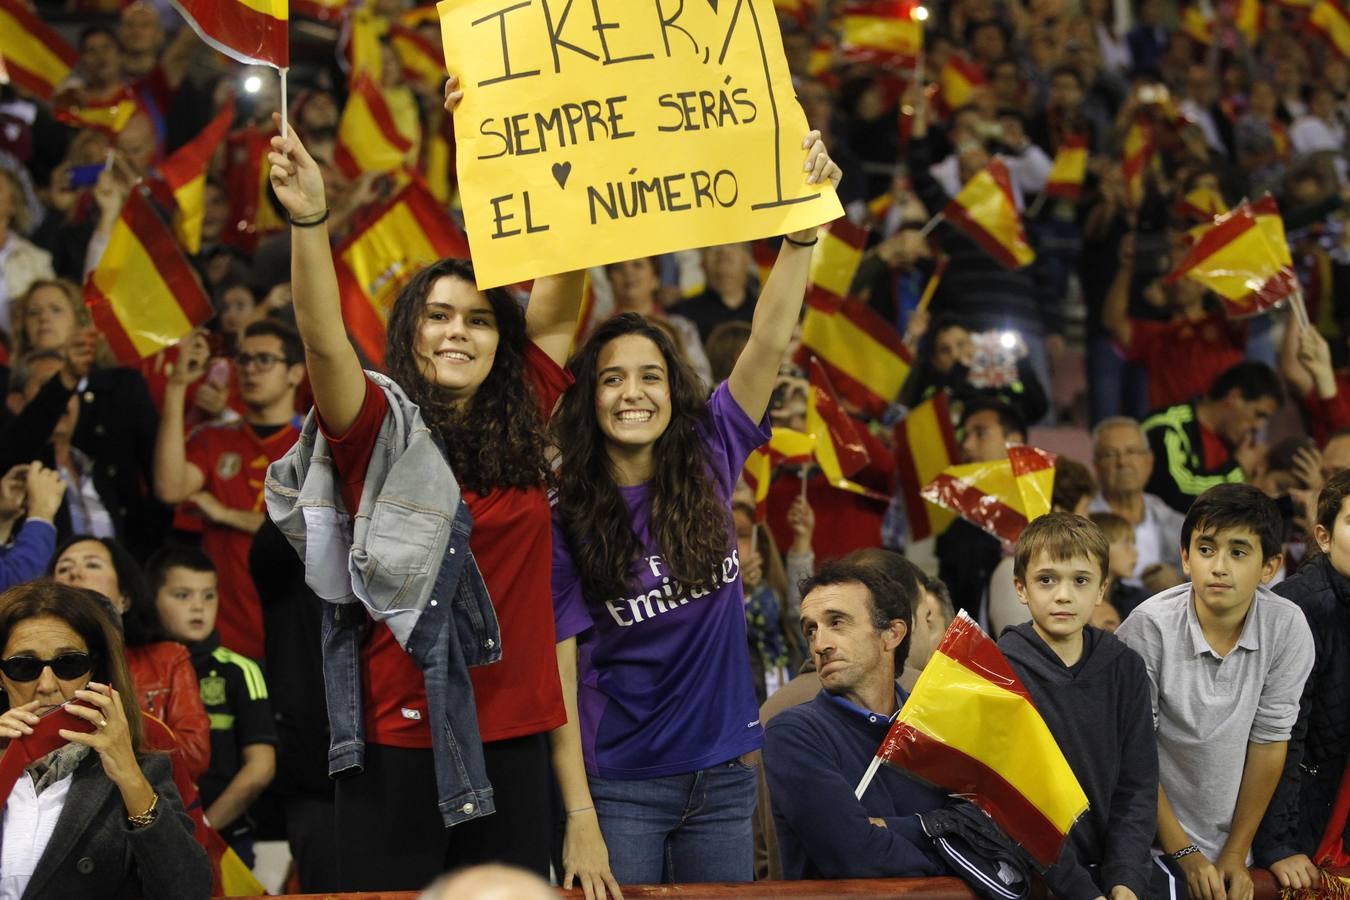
[[646, 584], [484, 375]]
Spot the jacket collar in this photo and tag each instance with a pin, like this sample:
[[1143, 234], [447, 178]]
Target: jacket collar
[[90, 790], [1247, 640]]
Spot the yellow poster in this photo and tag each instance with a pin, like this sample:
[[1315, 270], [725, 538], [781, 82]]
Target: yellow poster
[[593, 131]]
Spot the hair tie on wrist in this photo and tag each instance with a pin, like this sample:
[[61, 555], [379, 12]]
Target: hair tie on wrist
[[308, 223], [811, 243]]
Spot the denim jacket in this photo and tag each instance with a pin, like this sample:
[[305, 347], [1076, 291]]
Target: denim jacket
[[403, 560]]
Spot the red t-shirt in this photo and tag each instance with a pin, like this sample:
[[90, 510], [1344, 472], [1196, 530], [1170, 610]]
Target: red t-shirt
[[1184, 357], [512, 544], [1215, 450], [234, 460]]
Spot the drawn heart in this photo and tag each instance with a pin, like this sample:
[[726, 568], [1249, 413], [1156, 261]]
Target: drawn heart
[[560, 173]]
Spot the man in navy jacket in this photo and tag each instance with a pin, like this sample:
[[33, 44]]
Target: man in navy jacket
[[856, 622]]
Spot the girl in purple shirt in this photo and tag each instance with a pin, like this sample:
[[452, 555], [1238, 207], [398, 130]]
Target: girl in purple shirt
[[663, 729]]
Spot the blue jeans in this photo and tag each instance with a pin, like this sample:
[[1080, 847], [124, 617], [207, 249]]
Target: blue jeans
[[679, 828]]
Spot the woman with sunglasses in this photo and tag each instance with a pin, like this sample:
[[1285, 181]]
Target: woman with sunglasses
[[94, 815], [162, 677]]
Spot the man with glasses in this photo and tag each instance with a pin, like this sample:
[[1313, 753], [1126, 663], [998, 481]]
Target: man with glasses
[[220, 468], [1124, 461]]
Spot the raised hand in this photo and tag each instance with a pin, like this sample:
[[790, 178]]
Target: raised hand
[[295, 176], [46, 489], [193, 355]]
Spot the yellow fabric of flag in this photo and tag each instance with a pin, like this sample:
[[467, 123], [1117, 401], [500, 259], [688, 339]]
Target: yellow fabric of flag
[[36, 57], [837, 257], [369, 140], [985, 210], [1331, 18], [185, 174]]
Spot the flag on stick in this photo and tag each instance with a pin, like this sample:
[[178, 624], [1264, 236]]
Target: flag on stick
[[254, 32], [1001, 497], [110, 118], [864, 356], [1069, 168], [970, 728], [36, 57], [837, 257], [881, 32], [1331, 19], [144, 295], [185, 174], [925, 445], [1136, 157], [1238, 260], [959, 78], [986, 211], [368, 138]]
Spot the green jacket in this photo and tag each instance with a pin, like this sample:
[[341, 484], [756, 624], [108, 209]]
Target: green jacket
[[1179, 473]]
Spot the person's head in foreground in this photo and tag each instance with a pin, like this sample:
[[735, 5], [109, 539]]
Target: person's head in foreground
[[855, 619], [1332, 531], [1060, 573], [489, 882], [1230, 543]]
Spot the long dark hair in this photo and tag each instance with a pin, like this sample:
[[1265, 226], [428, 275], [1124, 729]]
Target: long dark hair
[[689, 519], [89, 617], [498, 438]]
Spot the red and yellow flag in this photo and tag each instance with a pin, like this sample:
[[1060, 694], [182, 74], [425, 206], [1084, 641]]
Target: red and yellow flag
[[422, 61], [1200, 205], [959, 79], [1241, 260], [246, 181], [758, 473], [864, 356], [839, 448], [837, 257], [971, 728], [144, 295], [1331, 19], [110, 118], [36, 57], [319, 10], [1269, 220], [881, 32], [251, 31], [368, 139], [925, 445], [402, 235], [185, 174], [1069, 169], [985, 210], [1136, 157], [1001, 497]]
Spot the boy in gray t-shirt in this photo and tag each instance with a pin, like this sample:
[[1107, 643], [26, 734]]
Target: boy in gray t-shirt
[[1227, 659]]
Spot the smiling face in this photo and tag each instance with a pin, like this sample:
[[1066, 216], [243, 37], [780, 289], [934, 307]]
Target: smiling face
[[48, 318], [88, 564], [187, 603], [1060, 595], [632, 392], [457, 338], [1225, 568], [44, 637]]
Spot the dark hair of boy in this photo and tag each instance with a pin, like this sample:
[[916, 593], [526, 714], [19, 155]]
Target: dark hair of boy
[[1073, 482], [1330, 499], [1253, 380], [1063, 536], [175, 557], [1009, 419], [291, 346], [938, 588], [1226, 506], [890, 599], [1113, 526]]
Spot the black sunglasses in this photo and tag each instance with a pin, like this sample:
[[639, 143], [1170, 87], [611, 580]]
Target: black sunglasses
[[29, 668]]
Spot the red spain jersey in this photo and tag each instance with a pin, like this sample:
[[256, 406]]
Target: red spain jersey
[[234, 460]]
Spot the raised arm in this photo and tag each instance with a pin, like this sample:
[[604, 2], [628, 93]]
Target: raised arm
[[176, 479], [334, 370], [751, 381]]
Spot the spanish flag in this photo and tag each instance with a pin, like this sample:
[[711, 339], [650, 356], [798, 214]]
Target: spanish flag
[[422, 61], [864, 356], [368, 139], [837, 257], [319, 10], [1197, 26], [403, 234], [255, 32], [881, 32], [36, 57], [1136, 157], [185, 174], [970, 728], [1238, 260], [1069, 169], [925, 445], [246, 180], [821, 58], [839, 450], [1249, 20], [959, 78], [144, 295], [765, 254], [109, 119], [758, 472], [1331, 19], [789, 447], [1269, 220], [438, 157], [1001, 497], [985, 210], [1200, 205]]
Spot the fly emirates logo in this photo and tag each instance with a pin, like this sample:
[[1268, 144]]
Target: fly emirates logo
[[671, 595]]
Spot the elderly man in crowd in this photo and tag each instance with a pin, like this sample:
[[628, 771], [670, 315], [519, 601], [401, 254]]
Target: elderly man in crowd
[[1123, 460]]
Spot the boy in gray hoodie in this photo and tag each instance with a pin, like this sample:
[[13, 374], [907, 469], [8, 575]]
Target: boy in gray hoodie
[[1093, 693]]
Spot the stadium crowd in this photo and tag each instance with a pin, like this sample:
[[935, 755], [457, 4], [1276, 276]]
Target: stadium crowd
[[569, 655]]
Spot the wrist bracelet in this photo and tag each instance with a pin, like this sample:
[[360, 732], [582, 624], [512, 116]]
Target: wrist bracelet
[[148, 817], [811, 243], [1184, 851], [580, 809], [309, 223]]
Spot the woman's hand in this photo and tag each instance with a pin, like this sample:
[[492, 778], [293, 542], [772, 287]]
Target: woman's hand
[[295, 176], [111, 737], [18, 721], [586, 858], [819, 169]]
